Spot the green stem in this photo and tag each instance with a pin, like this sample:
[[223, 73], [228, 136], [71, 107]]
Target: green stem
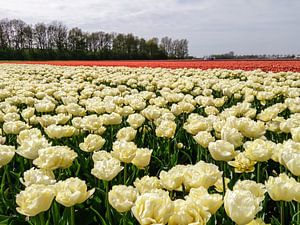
[[143, 136], [123, 219], [298, 212], [99, 216], [55, 213], [223, 178], [167, 150], [3, 183], [198, 152], [282, 212], [298, 207], [206, 156], [125, 174], [6, 174], [111, 134], [37, 220], [258, 172], [107, 206], [72, 215], [41, 218]]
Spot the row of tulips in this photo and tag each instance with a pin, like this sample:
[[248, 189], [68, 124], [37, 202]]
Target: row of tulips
[[117, 145]]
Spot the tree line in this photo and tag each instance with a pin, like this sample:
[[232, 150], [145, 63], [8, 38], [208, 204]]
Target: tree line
[[54, 41], [232, 55]]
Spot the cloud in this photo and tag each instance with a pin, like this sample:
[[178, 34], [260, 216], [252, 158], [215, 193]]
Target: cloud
[[211, 26]]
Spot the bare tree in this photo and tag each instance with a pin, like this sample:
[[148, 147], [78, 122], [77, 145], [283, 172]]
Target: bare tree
[[51, 37], [76, 39], [183, 49], [152, 46], [4, 34], [107, 41], [17, 34], [60, 33], [51, 40], [166, 45], [28, 37], [180, 48], [40, 35]]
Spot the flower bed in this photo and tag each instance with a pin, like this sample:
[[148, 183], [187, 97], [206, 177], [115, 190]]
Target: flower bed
[[119, 145]]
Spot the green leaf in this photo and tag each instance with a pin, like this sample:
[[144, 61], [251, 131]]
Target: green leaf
[[2, 218], [65, 217], [4, 222], [275, 221]]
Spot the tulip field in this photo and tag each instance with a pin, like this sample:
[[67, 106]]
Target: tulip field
[[110, 144], [264, 65]]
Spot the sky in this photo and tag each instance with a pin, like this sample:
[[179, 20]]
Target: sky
[[210, 26]]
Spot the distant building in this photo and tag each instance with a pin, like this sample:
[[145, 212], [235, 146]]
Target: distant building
[[209, 58]]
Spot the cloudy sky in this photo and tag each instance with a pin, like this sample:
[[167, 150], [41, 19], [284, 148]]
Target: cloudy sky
[[211, 26]]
